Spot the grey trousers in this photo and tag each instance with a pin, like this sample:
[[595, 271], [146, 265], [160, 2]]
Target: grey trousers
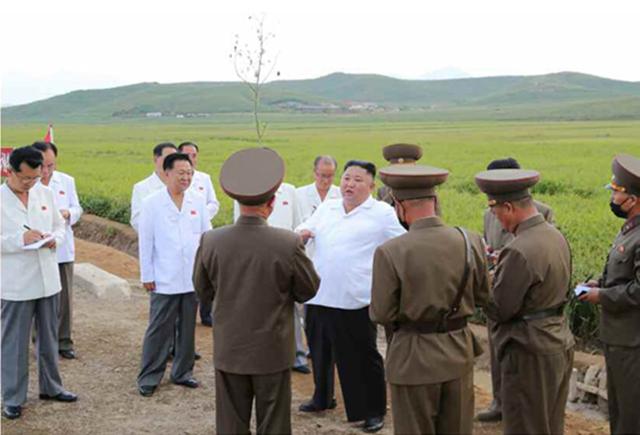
[[301, 347], [234, 400], [166, 314], [17, 317], [65, 314]]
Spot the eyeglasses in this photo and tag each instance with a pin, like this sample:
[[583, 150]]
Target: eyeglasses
[[24, 179], [325, 176]]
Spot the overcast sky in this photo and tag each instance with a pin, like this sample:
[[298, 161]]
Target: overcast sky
[[52, 47]]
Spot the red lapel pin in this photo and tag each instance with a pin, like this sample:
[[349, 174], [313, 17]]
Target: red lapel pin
[[44, 208], [193, 212], [61, 192]]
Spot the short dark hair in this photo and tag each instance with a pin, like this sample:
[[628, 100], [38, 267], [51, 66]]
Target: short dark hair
[[367, 166], [44, 146], [171, 159], [325, 159], [157, 150], [188, 144], [508, 163], [28, 154]]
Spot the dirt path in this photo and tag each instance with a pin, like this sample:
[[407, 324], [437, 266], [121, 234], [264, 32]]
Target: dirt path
[[108, 337]]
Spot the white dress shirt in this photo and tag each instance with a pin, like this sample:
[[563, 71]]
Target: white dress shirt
[[345, 244], [141, 190], [33, 274], [309, 200], [168, 239], [202, 184], [286, 213], [63, 187]]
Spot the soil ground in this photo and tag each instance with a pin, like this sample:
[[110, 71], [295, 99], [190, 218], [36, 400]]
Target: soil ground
[[108, 337]]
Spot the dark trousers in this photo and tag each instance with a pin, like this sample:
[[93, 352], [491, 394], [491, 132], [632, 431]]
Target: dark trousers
[[623, 388], [496, 376], [348, 339], [234, 399], [65, 314], [166, 313]]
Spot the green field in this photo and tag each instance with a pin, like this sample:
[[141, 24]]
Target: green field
[[573, 157]]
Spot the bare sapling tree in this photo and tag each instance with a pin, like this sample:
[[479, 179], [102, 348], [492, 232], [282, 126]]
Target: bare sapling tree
[[254, 64]]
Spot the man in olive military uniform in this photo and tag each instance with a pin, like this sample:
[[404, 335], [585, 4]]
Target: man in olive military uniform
[[426, 284], [618, 292], [397, 154], [259, 271], [532, 340], [496, 238]]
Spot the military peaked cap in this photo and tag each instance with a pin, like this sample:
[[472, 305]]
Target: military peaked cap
[[401, 153], [413, 181], [503, 185], [252, 176], [626, 174]]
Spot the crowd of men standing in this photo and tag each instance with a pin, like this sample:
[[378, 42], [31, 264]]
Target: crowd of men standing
[[320, 266]]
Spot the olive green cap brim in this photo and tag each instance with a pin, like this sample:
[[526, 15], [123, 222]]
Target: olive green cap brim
[[413, 181], [506, 185]]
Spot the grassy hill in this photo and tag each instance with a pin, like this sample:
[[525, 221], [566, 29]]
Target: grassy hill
[[552, 96]]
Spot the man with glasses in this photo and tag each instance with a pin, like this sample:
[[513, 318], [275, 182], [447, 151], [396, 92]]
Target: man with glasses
[[346, 233], [32, 227]]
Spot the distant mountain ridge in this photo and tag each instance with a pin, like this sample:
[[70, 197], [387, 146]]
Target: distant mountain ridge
[[565, 95]]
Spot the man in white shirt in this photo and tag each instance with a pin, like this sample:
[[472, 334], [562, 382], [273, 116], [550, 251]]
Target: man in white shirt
[[171, 223], [346, 232], [152, 183], [63, 187], [310, 197], [30, 282], [202, 184], [286, 215]]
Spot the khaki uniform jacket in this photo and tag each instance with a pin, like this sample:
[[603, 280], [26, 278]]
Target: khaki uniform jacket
[[497, 237], [620, 284], [415, 278], [533, 274], [253, 273]]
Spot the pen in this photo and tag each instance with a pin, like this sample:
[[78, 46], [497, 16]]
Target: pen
[[588, 277], [27, 227]]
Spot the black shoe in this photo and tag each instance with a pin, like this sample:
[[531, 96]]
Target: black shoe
[[207, 321], [189, 383], [12, 412], [489, 415], [65, 396], [305, 370], [67, 354], [146, 390], [373, 424], [197, 356], [310, 406]]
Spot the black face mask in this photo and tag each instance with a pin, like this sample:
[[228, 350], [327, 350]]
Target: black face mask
[[616, 209]]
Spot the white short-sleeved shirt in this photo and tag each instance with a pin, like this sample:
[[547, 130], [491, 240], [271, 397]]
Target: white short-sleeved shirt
[[65, 196], [345, 244], [168, 239]]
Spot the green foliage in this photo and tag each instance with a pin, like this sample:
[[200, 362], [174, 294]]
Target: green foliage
[[562, 96], [574, 159]]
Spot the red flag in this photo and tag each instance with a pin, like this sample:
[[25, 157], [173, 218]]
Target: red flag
[[49, 136]]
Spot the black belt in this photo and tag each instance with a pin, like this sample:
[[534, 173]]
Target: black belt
[[434, 327], [543, 314]]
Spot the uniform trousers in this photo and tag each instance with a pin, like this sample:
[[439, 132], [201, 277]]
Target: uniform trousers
[[166, 314], [234, 399], [205, 309], [623, 388], [439, 408], [496, 379], [298, 325], [65, 315], [534, 390], [17, 317], [348, 338]]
